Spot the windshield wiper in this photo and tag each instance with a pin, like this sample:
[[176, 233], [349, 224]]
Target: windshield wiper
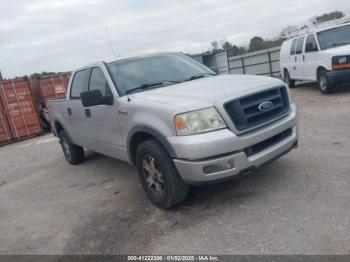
[[151, 84], [200, 75], [335, 45]]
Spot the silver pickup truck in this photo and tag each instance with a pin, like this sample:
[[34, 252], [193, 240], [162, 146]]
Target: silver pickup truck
[[175, 119]]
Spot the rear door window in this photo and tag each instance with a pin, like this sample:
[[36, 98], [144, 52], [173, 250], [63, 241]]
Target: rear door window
[[98, 81], [292, 48], [299, 47], [79, 83], [311, 44]]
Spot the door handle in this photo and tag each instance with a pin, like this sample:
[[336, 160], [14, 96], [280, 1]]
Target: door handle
[[69, 110], [87, 112], [295, 58], [303, 57], [122, 111]]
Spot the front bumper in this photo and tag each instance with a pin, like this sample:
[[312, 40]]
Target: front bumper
[[199, 152], [339, 76]]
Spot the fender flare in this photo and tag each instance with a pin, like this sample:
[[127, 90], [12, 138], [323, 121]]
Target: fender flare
[[63, 127], [153, 132]]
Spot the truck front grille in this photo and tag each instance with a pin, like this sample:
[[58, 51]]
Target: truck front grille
[[249, 111]]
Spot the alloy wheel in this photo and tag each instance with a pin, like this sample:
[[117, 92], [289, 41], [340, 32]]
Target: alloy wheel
[[153, 176], [323, 82], [66, 149]]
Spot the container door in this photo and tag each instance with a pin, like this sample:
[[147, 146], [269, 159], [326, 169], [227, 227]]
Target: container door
[[5, 132], [59, 86], [20, 110]]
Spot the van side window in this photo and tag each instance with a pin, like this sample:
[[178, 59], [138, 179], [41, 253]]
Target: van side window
[[311, 45], [79, 83], [300, 43], [98, 81], [292, 48]]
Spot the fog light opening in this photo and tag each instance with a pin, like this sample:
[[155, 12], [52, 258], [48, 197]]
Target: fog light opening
[[219, 167]]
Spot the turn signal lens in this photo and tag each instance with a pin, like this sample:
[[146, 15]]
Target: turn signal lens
[[340, 66], [179, 123]]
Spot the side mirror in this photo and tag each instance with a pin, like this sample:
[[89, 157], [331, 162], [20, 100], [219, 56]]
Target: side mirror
[[94, 98]]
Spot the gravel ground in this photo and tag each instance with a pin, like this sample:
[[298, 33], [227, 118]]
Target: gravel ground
[[299, 204]]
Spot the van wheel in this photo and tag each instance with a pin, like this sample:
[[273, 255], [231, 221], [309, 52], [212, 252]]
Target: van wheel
[[290, 82], [323, 82], [158, 175], [74, 154]]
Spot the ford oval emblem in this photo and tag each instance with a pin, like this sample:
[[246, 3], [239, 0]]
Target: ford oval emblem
[[265, 106]]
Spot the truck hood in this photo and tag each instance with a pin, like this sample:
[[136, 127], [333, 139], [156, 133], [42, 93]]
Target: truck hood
[[208, 91], [340, 50]]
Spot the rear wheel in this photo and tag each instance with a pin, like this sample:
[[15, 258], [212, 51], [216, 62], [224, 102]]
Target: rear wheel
[[290, 82], [158, 175], [323, 82], [74, 154]]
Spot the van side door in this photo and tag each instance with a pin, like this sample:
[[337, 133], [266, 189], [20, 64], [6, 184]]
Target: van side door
[[299, 58], [292, 60], [310, 56]]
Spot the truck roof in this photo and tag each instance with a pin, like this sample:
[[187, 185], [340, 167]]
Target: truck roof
[[125, 57]]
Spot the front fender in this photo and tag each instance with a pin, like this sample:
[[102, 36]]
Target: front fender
[[153, 132]]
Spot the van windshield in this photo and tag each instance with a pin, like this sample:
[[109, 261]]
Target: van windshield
[[155, 71], [334, 37]]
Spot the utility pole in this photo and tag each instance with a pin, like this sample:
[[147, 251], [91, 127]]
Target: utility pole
[[0, 76]]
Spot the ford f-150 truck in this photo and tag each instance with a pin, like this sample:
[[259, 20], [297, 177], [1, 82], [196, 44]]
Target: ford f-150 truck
[[175, 119]]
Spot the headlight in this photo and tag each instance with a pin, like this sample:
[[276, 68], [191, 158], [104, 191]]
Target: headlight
[[342, 60], [199, 121]]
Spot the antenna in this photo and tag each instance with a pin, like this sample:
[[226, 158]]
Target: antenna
[[110, 41]]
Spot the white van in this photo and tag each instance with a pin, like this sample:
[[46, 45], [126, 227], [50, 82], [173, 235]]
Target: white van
[[321, 54]]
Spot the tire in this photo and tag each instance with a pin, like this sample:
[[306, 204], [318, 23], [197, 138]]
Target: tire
[[158, 175], [290, 82], [74, 154], [323, 82]]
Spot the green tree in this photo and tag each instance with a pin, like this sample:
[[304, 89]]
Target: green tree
[[227, 46], [256, 43], [329, 16], [39, 75], [215, 46]]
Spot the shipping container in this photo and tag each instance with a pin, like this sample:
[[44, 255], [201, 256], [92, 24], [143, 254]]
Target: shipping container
[[49, 87], [45, 89], [19, 108], [5, 131]]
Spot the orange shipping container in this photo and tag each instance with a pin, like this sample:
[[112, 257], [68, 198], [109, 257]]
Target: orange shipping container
[[5, 132], [20, 111], [49, 87]]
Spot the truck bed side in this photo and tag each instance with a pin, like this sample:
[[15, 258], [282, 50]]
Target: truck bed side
[[58, 115]]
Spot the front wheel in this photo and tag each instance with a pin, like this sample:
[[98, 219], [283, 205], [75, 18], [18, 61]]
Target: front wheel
[[158, 175], [323, 83]]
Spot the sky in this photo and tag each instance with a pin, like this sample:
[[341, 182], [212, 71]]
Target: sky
[[47, 35]]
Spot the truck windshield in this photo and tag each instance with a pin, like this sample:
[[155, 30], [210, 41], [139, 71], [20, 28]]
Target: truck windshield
[[334, 37], [131, 74]]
